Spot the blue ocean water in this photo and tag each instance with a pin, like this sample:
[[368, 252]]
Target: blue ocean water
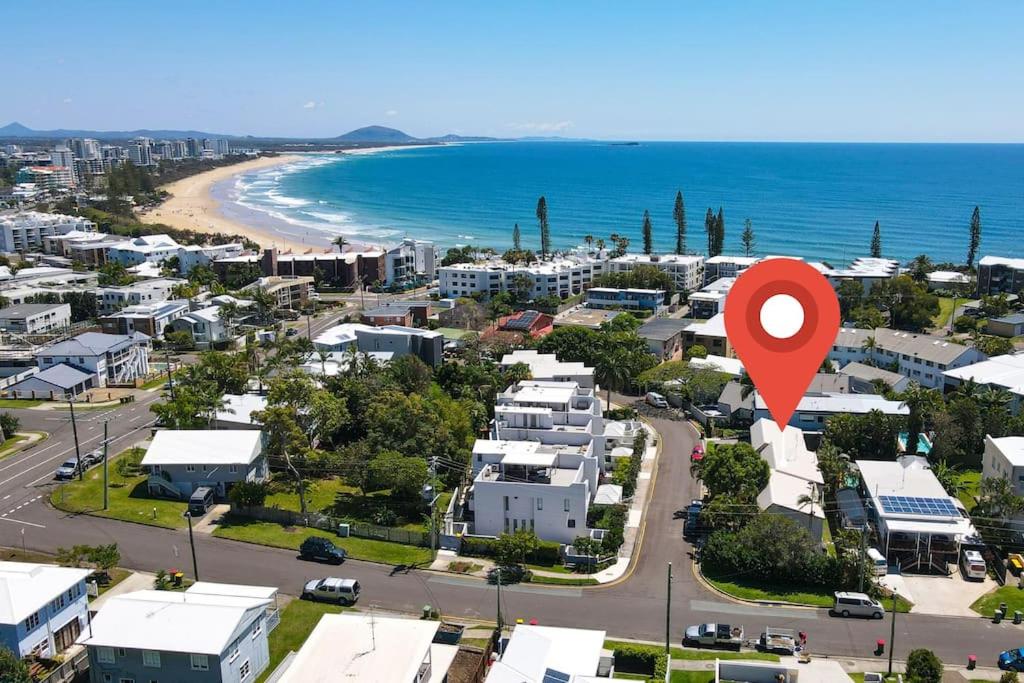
[[819, 201]]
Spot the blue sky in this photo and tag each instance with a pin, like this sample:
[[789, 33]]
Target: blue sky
[[911, 70]]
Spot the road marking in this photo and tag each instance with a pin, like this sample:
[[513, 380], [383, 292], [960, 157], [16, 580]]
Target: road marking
[[50, 476], [558, 592], [752, 610], [137, 417], [7, 496], [19, 521]]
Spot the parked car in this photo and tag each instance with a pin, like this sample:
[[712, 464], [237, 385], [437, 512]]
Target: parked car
[[340, 591], [871, 677], [857, 605], [1012, 660], [291, 332], [714, 635], [321, 549], [972, 565], [68, 469], [200, 501], [697, 454], [694, 525], [655, 399], [92, 458]]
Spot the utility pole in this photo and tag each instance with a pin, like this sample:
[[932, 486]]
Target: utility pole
[[106, 469], [309, 328], [860, 578], [192, 543], [668, 612], [74, 431], [892, 632], [170, 377], [500, 625]]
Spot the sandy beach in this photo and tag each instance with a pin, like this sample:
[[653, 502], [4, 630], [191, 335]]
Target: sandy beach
[[192, 205]]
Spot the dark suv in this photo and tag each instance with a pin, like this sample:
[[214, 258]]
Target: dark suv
[[321, 549]]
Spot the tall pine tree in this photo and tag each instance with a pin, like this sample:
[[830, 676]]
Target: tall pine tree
[[709, 228], [545, 229], [972, 250], [876, 242], [517, 242], [648, 232], [747, 239], [719, 231], [679, 215]]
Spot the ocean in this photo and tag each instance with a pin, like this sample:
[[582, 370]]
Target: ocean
[[818, 201]]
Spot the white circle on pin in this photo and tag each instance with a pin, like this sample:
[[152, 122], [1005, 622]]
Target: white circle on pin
[[782, 316]]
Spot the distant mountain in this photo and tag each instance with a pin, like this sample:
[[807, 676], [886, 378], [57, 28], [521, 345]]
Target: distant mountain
[[17, 130], [376, 134]]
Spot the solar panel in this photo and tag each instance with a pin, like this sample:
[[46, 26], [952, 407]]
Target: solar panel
[[555, 676], [523, 322], [912, 505]]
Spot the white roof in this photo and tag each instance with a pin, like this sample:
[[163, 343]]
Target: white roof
[[363, 647], [545, 365], [1017, 263], [948, 276], [337, 362], [784, 490], [1004, 371], [738, 260], [842, 403], [169, 621], [533, 650], [239, 408], [1012, 448], [732, 366], [910, 475], [785, 450], [608, 494], [204, 447], [712, 327], [237, 590], [26, 586], [340, 334], [516, 452], [530, 392]]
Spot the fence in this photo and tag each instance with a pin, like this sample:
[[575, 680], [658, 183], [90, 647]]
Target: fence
[[70, 670], [316, 520]]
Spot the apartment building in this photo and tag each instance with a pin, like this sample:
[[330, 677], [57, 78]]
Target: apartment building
[[147, 248], [409, 261], [1000, 275], [726, 266], [815, 409], [192, 255], [687, 270], [348, 269], [919, 357], [664, 337], [109, 358], [709, 334], [562, 277], [868, 271], [26, 230], [999, 372], [112, 299], [289, 291], [149, 319], [397, 340], [547, 367], [651, 300], [550, 412], [204, 325], [50, 179], [1004, 458], [35, 318]]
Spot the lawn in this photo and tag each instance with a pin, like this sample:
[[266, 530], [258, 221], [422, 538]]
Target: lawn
[[945, 310], [1013, 597], [695, 655], [116, 575], [278, 536], [691, 676], [971, 482], [10, 446], [563, 581], [297, 621], [19, 403], [128, 499], [800, 595]]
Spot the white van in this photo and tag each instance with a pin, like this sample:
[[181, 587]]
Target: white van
[[878, 562], [857, 605], [657, 400], [972, 565]]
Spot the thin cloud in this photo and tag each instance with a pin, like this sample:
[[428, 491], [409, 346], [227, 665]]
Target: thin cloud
[[67, 100], [309, 105], [391, 112], [542, 126]]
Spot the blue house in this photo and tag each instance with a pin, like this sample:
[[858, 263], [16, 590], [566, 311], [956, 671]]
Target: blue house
[[43, 607], [627, 299], [181, 460]]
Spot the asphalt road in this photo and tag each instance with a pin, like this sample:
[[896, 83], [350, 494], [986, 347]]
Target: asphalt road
[[632, 608]]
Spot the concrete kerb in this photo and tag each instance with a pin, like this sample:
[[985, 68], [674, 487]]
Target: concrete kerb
[[699, 576]]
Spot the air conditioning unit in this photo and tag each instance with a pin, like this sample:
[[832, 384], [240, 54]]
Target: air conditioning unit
[[343, 530]]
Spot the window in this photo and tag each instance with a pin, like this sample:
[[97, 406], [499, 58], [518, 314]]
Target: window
[[126, 680], [234, 654], [258, 630], [32, 621], [151, 659], [107, 678], [190, 468], [572, 524], [200, 663], [121, 652], [244, 670], [233, 469], [506, 503], [105, 655], [540, 503], [565, 505]]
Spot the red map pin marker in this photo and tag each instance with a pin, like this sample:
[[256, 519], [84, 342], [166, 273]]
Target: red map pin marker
[[782, 317]]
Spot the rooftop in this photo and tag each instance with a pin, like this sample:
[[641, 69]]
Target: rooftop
[[545, 365], [712, 327], [922, 346], [169, 621], [92, 344], [1012, 448], [732, 366], [870, 372], [785, 450], [237, 590], [843, 403], [786, 490], [240, 407], [539, 653], [1013, 319], [1017, 263], [62, 375], [27, 310], [204, 446], [662, 329], [1004, 371], [25, 587]]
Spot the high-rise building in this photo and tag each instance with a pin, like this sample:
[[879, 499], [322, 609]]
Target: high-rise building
[[195, 147], [140, 152], [221, 147], [85, 148], [180, 149], [62, 156]]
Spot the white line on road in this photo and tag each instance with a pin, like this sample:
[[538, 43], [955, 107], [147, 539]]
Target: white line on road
[[7, 496], [18, 521]]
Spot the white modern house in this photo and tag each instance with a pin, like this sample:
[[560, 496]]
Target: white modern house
[[181, 460], [547, 367], [153, 248], [238, 410], [43, 608], [190, 636], [397, 340], [112, 299], [550, 413], [1004, 458], [110, 358], [149, 319], [368, 648], [35, 318], [814, 410], [999, 372], [204, 325], [919, 357], [192, 255], [866, 270], [544, 654], [794, 474]]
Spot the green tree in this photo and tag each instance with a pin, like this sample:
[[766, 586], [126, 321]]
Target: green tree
[[9, 424], [648, 233], [850, 294], [412, 375], [612, 373], [920, 267], [519, 372], [545, 229], [13, 669], [719, 231], [679, 216], [511, 550], [923, 667], [735, 470], [249, 493], [697, 351], [910, 305], [104, 558], [975, 239], [921, 403], [869, 436], [404, 476], [516, 238], [876, 241], [965, 323], [1009, 677], [994, 346], [114, 274], [709, 231], [747, 238]]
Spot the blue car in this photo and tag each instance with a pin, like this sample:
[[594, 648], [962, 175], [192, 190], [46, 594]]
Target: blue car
[[1012, 660]]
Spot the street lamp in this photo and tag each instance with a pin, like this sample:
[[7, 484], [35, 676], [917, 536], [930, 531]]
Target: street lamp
[[192, 544]]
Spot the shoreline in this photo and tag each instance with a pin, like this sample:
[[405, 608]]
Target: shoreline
[[193, 205]]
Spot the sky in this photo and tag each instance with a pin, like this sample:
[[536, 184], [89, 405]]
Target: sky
[[912, 70]]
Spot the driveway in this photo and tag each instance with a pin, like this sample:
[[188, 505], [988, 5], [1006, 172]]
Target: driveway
[[945, 595]]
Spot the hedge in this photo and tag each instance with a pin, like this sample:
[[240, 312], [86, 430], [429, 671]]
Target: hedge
[[642, 659], [547, 553]]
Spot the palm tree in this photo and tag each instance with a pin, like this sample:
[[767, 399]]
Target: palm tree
[[588, 240], [869, 344], [808, 500], [969, 389], [599, 244], [949, 476], [611, 372], [992, 398], [324, 355], [341, 242], [920, 402], [746, 385]]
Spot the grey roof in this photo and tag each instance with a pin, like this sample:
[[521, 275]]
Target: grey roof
[[61, 375], [1014, 319], [936, 349], [663, 329], [390, 309], [732, 396], [25, 310], [91, 344], [870, 373], [826, 382]]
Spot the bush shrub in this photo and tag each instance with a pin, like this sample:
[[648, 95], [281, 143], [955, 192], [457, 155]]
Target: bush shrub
[[923, 666], [642, 659]]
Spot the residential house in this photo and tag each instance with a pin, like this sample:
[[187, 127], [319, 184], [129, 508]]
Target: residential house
[[1004, 326], [542, 654], [112, 299], [204, 325], [863, 378], [36, 318], [111, 358], [814, 410], [999, 372], [664, 337], [919, 524], [42, 607], [192, 255], [547, 367], [786, 670], [950, 280], [389, 314], [581, 316], [794, 476], [368, 648], [333, 363], [651, 300], [709, 334], [152, 248], [1004, 459], [730, 366], [686, 270], [534, 324], [920, 357], [56, 383], [710, 300], [237, 411], [180, 461], [189, 636], [737, 407], [999, 275], [149, 319]]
